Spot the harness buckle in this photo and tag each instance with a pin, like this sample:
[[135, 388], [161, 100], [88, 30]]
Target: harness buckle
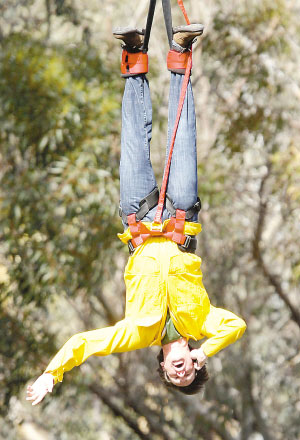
[[156, 227], [197, 205], [189, 245], [130, 247], [187, 242]]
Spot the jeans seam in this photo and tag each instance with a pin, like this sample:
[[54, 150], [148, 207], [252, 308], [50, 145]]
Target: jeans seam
[[146, 141]]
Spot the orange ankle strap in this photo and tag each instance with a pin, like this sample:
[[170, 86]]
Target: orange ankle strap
[[177, 61], [133, 63]]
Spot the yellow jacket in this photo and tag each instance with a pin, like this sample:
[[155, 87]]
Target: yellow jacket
[[158, 277]]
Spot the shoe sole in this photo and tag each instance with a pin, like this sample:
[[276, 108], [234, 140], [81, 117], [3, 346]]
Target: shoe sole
[[127, 31], [189, 29]]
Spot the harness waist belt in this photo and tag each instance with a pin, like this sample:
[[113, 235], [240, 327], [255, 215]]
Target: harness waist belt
[[174, 231], [190, 245]]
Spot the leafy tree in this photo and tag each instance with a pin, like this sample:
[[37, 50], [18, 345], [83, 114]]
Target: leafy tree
[[59, 187], [59, 193]]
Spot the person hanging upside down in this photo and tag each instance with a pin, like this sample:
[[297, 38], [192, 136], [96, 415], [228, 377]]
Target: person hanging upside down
[[166, 302]]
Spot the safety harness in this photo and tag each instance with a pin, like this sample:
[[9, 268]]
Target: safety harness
[[174, 229]]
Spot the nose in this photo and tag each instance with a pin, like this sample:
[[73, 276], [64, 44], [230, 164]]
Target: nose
[[181, 373]]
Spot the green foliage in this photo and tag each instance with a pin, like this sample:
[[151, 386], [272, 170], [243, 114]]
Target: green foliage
[[22, 342], [60, 262], [245, 74], [59, 185]]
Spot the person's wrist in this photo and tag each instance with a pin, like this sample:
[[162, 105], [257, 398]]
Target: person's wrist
[[49, 381], [201, 358], [201, 351]]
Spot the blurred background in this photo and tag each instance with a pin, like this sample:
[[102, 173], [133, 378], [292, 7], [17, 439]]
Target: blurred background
[[61, 264]]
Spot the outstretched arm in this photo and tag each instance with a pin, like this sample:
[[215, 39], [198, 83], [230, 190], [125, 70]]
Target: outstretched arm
[[124, 336], [221, 328]]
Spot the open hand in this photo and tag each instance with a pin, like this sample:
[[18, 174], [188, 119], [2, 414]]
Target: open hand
[[200, 357], [43, 385]]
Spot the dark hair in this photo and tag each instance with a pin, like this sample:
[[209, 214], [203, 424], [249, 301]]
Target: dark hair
[[195, 387]]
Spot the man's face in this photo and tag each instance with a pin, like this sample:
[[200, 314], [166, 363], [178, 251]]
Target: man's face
[[178, 363]]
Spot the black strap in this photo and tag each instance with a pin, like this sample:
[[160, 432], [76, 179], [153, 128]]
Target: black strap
[[145, 205], [148, 25], [151, 200], [168, 20], [188, 214], [190, 244]]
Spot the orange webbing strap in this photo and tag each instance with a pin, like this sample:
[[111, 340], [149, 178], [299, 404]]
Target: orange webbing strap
[[174, 229], [181, 5], [162, 194], [178, 233]]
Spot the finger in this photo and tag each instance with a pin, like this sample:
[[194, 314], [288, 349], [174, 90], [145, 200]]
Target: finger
[[38, 400], [30, 393], [194, 354], [34, 392], [32, 396], [35, 396], [201, 363]]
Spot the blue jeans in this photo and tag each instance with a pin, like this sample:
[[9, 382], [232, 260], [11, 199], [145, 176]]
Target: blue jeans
[[137, 178]]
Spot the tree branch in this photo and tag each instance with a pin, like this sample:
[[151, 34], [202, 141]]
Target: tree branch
[[118, 412], [48, 11], [211, 424], [258, 255], [261, 424], [156, 423]]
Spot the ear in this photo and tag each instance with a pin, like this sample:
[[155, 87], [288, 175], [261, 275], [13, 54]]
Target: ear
[[162, 364]]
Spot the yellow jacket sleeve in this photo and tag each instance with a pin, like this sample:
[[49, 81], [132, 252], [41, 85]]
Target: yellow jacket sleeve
[[222, 328], [123, 336]]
